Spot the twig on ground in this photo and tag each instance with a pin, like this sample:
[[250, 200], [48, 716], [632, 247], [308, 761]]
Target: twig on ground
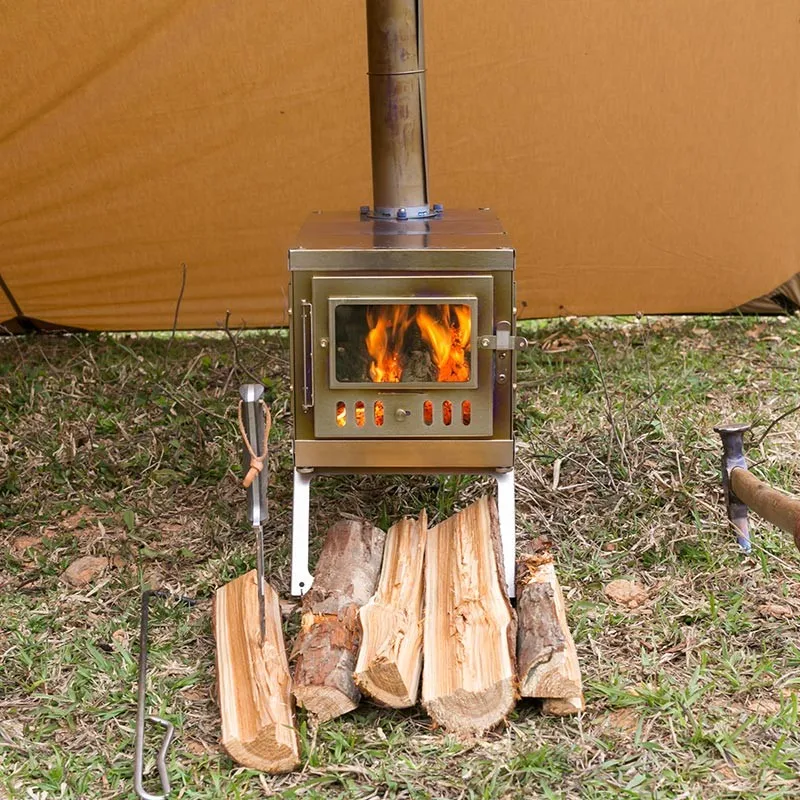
[[609, 409], [177, 311], [237, 363], [775, 422]]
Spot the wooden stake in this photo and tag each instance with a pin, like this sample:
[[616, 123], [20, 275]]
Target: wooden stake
[[390, 659], [325, 651], [468, 682], [253, 679], [546, 655]]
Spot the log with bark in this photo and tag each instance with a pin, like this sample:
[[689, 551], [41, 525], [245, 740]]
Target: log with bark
[[325, 651], [390, 659], [469, 682], [253, 680], [546, 656]]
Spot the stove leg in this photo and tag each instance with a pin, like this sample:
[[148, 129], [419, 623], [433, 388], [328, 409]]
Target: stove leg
[[506, 509], [301, 577]]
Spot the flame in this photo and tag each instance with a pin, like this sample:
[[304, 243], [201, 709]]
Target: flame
[[341, 414], [379, 414], [449, 340], [387, 330], [447, 334], [361, 414]]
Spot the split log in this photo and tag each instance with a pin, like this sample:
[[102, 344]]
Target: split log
[[546, 654], [390, 659], [468, 683], [253, 680], [325, 651]]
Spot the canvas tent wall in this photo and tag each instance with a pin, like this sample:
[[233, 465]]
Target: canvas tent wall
[[644, 154]]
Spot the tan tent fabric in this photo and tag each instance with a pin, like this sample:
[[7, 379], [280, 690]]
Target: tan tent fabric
[[644, 154]]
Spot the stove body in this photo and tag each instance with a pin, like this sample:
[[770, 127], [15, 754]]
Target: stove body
[[348, 271]]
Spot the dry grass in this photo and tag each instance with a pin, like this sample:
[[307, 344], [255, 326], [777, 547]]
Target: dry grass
[[120, 447]]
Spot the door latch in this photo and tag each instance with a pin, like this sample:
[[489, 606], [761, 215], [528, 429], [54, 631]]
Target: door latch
[[504, 343], [502, 340]]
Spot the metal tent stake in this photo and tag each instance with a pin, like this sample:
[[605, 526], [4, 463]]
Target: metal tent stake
[[744, 491], [142, 718]]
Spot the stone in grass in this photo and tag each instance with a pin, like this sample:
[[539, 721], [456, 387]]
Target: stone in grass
[[776, 610], [626, 593], [83, 571]]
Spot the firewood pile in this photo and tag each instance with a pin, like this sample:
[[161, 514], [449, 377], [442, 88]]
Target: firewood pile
[[414, 615]]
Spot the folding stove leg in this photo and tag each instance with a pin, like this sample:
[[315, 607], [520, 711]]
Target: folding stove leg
[[301, 577], [506, 508]]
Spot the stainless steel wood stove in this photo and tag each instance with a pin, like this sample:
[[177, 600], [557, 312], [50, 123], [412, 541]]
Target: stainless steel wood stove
[[402, 314]]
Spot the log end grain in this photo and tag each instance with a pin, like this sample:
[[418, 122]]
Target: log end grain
[[325, 702], [274, 751], [384, 684], [465, 712]]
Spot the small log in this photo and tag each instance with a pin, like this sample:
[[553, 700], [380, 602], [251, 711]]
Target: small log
[[468, 683], [254, 686], [325, 651], [390, 659], [546, 654]]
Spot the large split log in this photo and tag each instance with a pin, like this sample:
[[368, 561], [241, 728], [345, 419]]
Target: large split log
[[325, 651], [546, 656], [253, 680], [468, 682], [390, 659]]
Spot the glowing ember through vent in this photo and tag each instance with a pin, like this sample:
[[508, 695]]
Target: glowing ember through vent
[[379, 415], [447, 412], [361, 414], [341, 414]]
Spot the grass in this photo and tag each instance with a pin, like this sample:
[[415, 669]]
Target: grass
[[125, 447]]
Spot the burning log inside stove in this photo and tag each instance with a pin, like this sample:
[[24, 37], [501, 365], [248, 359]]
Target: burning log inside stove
[[402, 343]]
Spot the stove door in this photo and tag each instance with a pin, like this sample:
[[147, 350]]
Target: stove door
[[398, 356]]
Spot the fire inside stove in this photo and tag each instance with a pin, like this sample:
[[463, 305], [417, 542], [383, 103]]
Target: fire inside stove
[[404, 343]]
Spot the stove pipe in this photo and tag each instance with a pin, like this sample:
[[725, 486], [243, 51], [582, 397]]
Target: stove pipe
[[397, 110]]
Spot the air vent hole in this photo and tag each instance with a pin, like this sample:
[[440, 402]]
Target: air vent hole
[[341, 414], [447, 412]]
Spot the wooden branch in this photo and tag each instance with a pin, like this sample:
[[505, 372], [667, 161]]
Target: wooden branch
[[390, 659], [468, 680], [326, 647], [546, 655], [253, 679]]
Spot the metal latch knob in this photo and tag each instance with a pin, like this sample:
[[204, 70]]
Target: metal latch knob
[[401, 414]]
